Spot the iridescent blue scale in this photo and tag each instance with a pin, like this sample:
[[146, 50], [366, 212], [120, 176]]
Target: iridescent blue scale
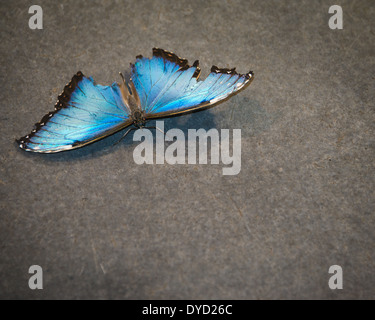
[[159, 87]]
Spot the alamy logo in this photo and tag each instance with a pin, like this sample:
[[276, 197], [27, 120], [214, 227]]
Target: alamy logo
[[336, 21], [175, 153], [335, 281], [36, 280], [36, 20]]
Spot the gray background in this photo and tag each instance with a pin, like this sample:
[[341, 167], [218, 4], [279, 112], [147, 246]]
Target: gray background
[[103, 227]]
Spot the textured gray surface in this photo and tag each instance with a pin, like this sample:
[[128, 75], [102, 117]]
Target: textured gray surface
[[103, 227]]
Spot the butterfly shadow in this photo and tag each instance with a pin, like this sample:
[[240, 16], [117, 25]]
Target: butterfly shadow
[[240, 112]]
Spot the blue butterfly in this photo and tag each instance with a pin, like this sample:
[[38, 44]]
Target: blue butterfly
[[161, 86]]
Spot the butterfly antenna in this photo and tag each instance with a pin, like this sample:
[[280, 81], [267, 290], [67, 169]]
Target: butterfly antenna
[[157, 128], [122, 138]]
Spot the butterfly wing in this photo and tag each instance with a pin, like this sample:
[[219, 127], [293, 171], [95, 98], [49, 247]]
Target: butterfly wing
[[167, 85], [84, 112]]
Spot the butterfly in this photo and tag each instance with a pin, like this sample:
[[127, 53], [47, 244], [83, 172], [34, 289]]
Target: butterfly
[[160, 86]]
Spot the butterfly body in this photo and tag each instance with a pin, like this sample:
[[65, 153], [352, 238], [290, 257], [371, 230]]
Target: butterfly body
[[139, 119], [160, 86]]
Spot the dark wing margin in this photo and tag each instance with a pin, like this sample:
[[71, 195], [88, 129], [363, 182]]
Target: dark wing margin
[[77, 107], [174, 87], [62, 101], [172, 57]]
